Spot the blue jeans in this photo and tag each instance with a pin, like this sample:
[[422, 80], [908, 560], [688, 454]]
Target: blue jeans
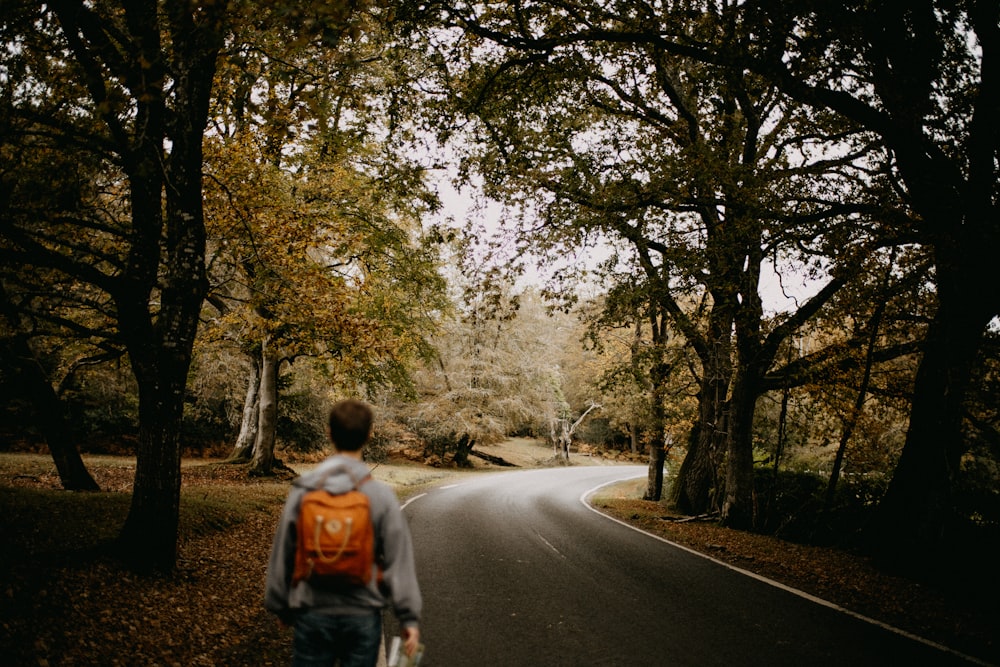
[[321, 639]]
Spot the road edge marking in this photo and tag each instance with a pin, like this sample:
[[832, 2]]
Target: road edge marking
[[410, 500], [585, 501]]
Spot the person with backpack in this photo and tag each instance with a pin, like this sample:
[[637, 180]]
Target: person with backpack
[[342, 553]]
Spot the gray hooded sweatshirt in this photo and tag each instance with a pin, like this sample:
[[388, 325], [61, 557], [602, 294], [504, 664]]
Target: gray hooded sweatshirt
[[393, 547]]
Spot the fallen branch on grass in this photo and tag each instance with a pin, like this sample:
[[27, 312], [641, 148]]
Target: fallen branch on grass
[[495, 460], [712, 516]]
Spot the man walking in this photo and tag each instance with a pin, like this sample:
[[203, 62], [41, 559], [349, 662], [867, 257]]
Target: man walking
[[335, 618]]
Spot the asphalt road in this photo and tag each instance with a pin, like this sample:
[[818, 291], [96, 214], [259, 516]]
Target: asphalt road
[[516, 570]]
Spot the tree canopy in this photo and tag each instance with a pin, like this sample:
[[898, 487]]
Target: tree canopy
[[880, 123], [128, 87]]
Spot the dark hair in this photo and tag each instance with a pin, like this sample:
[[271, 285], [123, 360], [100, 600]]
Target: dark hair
[[350, 424]]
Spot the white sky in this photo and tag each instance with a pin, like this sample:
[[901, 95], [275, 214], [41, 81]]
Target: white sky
[[460, 207]]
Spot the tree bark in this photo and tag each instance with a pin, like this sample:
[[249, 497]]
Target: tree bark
[[916, 516], [565, 439], [553, 436], [779, 447], [50, 415], [243, 449], [699, 484], [462, 450], [53, 423], [49, 410], [738, 506], [752, 361], [262, 462], [657, 454], [654, 477], [148, 540], [160, 354]]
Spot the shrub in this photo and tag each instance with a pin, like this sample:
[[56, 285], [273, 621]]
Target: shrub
[[792, 506]]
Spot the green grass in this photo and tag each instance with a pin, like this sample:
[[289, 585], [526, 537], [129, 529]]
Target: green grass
[[42, 521], [207, 508]]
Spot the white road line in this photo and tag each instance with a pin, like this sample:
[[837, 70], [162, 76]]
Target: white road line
[[777, 584], [403, 506], [549, 544]]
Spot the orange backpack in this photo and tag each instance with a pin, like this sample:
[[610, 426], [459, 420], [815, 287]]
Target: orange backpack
[[336, 538]]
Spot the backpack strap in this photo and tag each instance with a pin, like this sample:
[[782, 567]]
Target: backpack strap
[[357, 482]]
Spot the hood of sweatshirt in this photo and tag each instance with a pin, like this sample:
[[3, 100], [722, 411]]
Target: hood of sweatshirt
[[337, 474]]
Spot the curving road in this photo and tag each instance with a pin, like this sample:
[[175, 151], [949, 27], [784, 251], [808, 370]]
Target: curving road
[[516, 570]]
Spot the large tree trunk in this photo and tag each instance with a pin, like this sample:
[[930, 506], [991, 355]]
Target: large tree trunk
[[916, 515], [953, 193], [168, 73], [657, 454], [565, 440], [698, 486], [161, 357], [738, 506], [53, 422], [49, 411], [267, 421], [462, 450], [148, 540], [49, 414], [243, 449], [654, 476], [752, 361], [957, 204]]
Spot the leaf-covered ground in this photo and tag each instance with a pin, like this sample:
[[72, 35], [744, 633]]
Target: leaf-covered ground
[[65, 602]]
